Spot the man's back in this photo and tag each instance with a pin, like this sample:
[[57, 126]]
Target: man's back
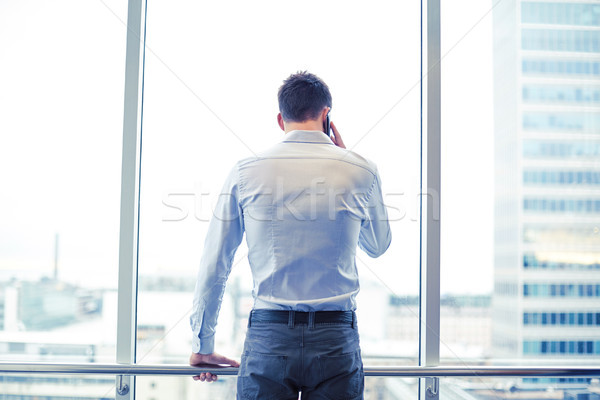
[[305, 205], [304, 202]]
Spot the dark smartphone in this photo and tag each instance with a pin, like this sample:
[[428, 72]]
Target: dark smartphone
[[327, 127]]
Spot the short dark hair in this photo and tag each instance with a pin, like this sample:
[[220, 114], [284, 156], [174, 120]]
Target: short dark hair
[[302, 97]]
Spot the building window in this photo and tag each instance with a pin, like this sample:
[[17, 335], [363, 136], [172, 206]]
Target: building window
[[567, 122], [562, 290], [560, 13], [532, 93], [546, 177], [560, 67], [536, 347], [560, 40], [545, 205], [571, 318]]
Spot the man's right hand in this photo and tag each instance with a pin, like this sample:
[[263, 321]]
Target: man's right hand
[[337, 138], [208, 360]]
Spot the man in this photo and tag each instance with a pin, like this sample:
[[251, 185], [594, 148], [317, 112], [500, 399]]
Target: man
[[304, 205]]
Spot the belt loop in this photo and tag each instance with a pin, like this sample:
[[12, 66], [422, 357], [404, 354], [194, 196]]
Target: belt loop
[[291, 319], [250, 319], [311, 320], [353, 320]]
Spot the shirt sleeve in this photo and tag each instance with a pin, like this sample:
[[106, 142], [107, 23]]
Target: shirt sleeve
[[375, 234], [224, 235]]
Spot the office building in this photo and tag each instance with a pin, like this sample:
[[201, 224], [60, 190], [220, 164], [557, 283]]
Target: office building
[[547, 160]]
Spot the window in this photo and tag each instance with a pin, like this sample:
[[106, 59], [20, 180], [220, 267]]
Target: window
[[560, 40], [580, 122], [209, 103], [553, 347], [557, 68], [60, 150], [537, 94], [520, 158], [545, 318], [545, 177], [542, 205], [559, 13], [552, 290]]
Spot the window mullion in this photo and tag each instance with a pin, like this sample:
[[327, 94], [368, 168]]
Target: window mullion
[[429, 337], [130, 169]]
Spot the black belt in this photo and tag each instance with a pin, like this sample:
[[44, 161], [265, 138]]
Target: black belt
[[302, 317]]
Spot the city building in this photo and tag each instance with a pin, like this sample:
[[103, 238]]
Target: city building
[[465, 325], [546, 301]]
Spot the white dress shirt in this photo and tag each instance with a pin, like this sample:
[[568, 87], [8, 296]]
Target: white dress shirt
[[304, 204]]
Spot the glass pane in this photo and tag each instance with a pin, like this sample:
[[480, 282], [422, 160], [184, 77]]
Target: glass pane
[[52, 387], [184, 387], [212, 76], [391, 388], [467, 181], [484, 388], [162, 387], [61, 113], [521, 196]]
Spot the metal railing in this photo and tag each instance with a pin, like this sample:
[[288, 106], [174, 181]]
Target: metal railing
[[396, 371]]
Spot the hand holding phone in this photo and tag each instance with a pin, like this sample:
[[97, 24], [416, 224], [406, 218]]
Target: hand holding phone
[[336, 137]]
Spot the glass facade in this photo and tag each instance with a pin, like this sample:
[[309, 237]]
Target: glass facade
[[547, 262]]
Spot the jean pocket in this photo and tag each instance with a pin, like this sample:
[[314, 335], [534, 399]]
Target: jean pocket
[[261, 376], [342, 376]]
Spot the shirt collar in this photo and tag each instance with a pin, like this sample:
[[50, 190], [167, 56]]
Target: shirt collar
[[297, 136]]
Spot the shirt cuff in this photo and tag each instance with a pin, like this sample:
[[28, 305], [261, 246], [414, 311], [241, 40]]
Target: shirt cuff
[[204, 346]]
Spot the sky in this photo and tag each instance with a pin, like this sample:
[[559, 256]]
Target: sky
[[212, 73]]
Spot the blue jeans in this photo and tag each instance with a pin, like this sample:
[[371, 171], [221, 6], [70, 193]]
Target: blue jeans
[[323, 362]]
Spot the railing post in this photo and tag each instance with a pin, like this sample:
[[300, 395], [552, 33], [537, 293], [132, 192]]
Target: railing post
[[429, 337], [132, 126]]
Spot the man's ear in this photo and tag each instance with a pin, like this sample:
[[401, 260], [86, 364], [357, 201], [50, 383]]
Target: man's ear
[[324, 113], [280, 122]]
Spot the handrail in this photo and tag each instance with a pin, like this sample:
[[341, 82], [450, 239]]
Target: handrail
[[397, 371]]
